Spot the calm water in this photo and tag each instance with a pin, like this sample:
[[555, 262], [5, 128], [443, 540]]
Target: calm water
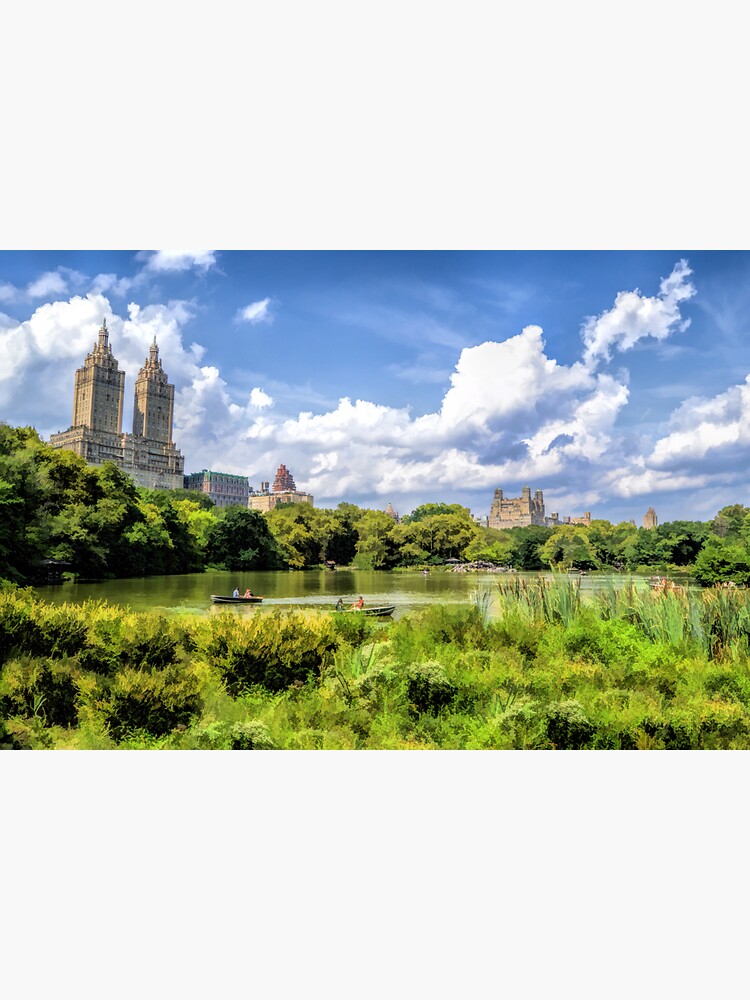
[[191, 592]]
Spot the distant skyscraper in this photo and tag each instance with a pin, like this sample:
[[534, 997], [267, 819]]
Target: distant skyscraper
[[649, 518], [284, 481], [148, 454], [99, 389], [153, 407]]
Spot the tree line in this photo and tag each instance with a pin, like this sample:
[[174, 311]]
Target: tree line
[[94, 522]]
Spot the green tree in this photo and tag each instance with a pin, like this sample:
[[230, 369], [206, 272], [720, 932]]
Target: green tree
[[729, 521], [241, 539], [569, 547], [720, 561], [685, 539], [375, 548], [526, 545], [432, 509]]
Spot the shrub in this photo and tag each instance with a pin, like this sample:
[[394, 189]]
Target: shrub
[[275, 650], [567, 726], [428, 688], [154, 702], [153, 646], [62, 630], [19, 633], [41, 688], [439, 626], [354, 629], [140, 641], [252, 735]]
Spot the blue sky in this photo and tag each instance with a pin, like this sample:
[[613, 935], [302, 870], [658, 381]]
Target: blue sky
[[612, 380]]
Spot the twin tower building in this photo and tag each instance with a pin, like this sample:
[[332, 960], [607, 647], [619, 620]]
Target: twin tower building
[[148, 454]]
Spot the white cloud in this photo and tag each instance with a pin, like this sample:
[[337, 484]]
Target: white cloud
[[702, 430], [635, 316], [110, 284], [178, 260], [259, 399], [8, 292], [49, 283], [256, 312]]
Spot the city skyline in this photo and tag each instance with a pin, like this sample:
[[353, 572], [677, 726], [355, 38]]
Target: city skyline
[[614, 381]]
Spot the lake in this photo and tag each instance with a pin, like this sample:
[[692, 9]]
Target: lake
[[190, 593]]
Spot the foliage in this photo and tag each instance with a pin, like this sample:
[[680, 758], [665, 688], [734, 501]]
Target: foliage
[[633, 669], [42, 688], [720, 561], [155, 702], [274, 649], [428, 688], [567, 725], [240, 539]]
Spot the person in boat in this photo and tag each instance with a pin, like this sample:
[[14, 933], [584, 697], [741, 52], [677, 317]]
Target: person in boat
[[236, 592], [339, 605], [358, 605], [248, 592]]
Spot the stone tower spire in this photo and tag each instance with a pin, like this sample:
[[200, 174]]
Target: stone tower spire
[[153, 406], [99, 389]]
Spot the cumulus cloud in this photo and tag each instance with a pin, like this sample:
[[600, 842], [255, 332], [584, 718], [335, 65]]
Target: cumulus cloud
[[256, 312], [178, 260], [635, 316], [49, 283], [8, 292], [260, 399], [704, 431]]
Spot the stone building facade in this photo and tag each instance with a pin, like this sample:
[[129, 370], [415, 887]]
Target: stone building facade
[[148, 455], [517, 512], [282, 491], [269, 501], [224, 488], [520, 512], [649, 518]]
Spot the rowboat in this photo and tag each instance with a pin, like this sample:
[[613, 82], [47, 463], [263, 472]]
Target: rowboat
[[219, 599], [381, 612]]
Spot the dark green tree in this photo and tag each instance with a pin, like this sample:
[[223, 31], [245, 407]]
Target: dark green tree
[[241, 539]]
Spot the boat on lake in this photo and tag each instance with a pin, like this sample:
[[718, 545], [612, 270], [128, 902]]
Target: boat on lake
[[380, 612], [220, 599]]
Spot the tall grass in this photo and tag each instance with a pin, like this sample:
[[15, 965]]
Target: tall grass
[[540, 600], [717, 620]]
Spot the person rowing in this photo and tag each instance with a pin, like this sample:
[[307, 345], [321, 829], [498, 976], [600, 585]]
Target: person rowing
[[358, 605]]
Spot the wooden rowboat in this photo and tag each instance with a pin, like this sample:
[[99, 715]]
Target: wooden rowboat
[[219, 599], [380, 612]]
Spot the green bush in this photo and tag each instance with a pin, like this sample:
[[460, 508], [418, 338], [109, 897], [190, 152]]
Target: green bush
[[439, 625], [63, 630], [251, 735], [155, 702], [275, 650], [19, 633], [567, 726], [428, 689], [354, 629], [152, 646], [43, 688]]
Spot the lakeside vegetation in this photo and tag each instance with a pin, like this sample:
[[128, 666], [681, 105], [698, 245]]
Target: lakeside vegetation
[[94, 523], [627, 669]]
